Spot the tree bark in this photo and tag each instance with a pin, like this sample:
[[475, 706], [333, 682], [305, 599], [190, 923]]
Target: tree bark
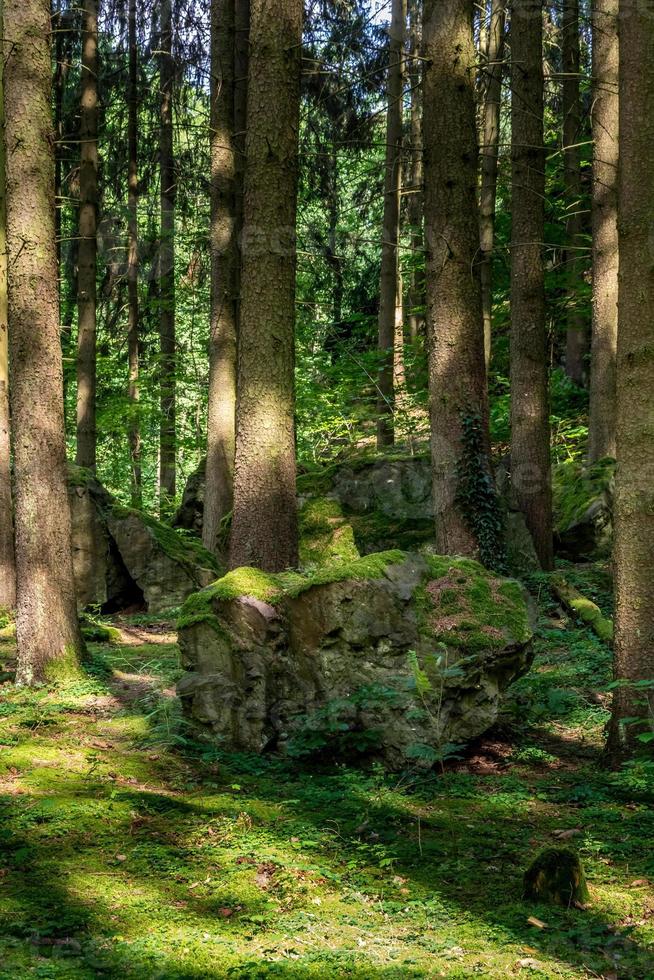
[[604, 207], [455, 339], [416, 289], [224, 264], [133, 393], [88, 244], [7, 561], [47, 630], [390, 226], [633, 556], [530, 428], [576, 344], [490, 138], [264, 530], [168, 191]]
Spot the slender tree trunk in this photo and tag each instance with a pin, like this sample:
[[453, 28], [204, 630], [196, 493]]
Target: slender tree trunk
[[530, 429], [576, 344], [7, 562], [167, 439], [634, 517], [391, 226], [224, 264], [134, 424], [605, 119], [416, 290], [264, 530], [490, 138], [47, 630], [455, 339], [88, 244]]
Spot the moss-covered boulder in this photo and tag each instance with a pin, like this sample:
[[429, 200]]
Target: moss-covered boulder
[[398, 655], [556, 876], [326, 536], [583, 509], [124, 557]]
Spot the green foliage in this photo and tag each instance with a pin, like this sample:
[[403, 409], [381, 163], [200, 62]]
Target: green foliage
[[576, 487], [336, 729], [476, 495]]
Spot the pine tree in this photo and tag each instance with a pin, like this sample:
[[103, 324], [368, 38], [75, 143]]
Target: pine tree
[[47, 630], [604, 208], [530, 427], [7, 564], [168, 192], [88, 244], [264, 529], [633, 557], [134, 425], [457, 377]]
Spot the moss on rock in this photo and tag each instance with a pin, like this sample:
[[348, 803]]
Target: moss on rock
[[556, 876], [182, 548], [325, 534], [582, 504]]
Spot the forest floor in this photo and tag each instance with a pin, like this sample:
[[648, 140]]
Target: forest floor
[[128, 850]]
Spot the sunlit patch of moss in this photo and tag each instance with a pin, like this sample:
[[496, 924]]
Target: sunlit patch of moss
[[576, 486], [325, 534], [182, 548]]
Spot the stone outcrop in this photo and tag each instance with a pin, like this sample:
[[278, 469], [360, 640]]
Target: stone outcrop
[[583, 509], [396, 655], [124, 558]]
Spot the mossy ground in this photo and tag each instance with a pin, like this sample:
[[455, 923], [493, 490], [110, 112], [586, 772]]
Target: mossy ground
[[128, 850]]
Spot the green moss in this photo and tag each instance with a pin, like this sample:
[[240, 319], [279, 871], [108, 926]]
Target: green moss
[[584, 609], [6, 618], [556, 876], [374, 530], [95, 631], [575, 487], [65, 669], [358, 569], [182, 548], [325, 534]]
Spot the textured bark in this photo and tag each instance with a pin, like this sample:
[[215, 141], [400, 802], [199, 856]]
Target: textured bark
[[88, 243], [7, 563], [530, 429], [47, 630], [134, 425], [604, 208], [390, 226], [264, 530], [457, 379], [224, 268], [576, 343], [633, 512], [490, 138], [168, 191], [416, 290]]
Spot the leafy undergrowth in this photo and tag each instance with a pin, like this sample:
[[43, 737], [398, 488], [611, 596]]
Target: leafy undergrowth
[[128, 850]]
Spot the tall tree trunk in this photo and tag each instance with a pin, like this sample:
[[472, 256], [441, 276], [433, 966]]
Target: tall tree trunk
[[490, 139], [633, 555], [133, 393], [391, 226], [576, 343], [264, 530], [455, 338], [530, 427], [605, 120], [47, 630], [88, 244], [416, 290], [167, 439], [224, 265], [7, 562], [66, 255]]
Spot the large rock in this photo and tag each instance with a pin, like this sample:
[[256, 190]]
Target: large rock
[[583, 509], [399, 655], [124, 558]]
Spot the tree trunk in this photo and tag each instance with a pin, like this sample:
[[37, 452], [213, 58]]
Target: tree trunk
[[455, 339], [47, 630], [490, 138], [633, 555], [134, 424], [224, 264], [88, 245], [576, 344], [605, 119], [416, 290], [264, 531], [7, 563], [167, 440], [530, 428], [391, 226]]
